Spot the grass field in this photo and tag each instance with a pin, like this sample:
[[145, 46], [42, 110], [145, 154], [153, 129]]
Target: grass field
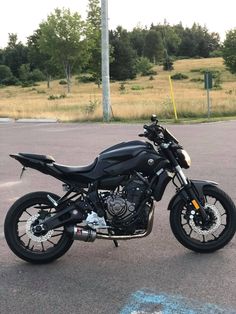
[[139, 99]]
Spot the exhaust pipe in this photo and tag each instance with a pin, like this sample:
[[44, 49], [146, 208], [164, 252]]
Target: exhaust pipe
[[82, 234], [88, 235]]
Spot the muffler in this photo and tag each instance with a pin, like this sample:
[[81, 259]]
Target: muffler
[[82, 234]]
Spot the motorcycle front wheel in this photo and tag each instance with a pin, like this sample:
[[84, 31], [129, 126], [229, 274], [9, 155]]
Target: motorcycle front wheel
[[208, 237], [39, 248]]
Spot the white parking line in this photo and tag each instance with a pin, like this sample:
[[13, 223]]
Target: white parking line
[[9, 184], [141, 312]]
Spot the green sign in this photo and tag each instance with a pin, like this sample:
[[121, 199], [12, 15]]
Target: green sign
[[208, 80]]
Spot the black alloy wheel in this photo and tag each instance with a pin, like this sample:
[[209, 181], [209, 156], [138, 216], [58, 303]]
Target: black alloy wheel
[[208, 237], [24, 236]]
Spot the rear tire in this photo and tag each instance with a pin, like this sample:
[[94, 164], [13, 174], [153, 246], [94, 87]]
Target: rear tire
[[20, 238], [222, 229]]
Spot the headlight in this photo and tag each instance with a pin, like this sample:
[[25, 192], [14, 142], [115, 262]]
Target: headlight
[[184, 158]]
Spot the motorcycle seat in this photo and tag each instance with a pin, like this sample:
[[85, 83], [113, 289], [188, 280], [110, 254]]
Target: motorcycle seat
[[68, 170], [44, 158]]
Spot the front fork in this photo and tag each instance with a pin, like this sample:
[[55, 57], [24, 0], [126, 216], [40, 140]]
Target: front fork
[[191, 194]]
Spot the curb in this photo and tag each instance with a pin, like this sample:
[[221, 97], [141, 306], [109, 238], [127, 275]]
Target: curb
[[10, 120], [36, 121], [6, 120]]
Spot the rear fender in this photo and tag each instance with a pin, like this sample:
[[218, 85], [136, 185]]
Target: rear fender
[[197, 186], [41, 166]]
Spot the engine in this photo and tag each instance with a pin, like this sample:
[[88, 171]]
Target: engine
[[127, 210]]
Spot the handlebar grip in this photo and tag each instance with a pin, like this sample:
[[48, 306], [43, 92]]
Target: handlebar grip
[[141, 135]]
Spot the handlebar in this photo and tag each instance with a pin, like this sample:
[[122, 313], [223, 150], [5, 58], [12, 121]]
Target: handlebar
[[157, 134], [153, 132]]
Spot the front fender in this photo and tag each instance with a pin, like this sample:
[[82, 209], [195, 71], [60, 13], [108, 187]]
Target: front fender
[[197, 186]]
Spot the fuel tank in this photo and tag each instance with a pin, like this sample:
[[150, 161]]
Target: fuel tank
[[124, 157], [114, 163]]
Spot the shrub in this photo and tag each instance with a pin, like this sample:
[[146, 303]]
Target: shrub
[[90, 107], [11, 81], [216, 53], [28, 84], [195, 70], [5, 73], [28, 77], [53, 97], [168, 64], [229, 92], [197, 80], [86, 79], [36, 76], [24, 73], [41, 91], [137, 87], [151, 72], [122, 87], [217, 81], [63, 82], [179, 76], [215, 73], [6, 76], [144, 66]]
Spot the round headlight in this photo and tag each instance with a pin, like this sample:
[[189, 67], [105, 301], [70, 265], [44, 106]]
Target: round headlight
[[184, 158]]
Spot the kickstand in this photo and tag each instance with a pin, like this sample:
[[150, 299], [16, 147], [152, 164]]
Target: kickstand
[[116, 243]]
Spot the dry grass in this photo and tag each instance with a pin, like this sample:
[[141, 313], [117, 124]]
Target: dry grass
[[140, 98]]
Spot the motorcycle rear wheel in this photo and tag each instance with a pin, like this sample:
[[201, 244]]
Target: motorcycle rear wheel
[[33, 248], [221, 229]]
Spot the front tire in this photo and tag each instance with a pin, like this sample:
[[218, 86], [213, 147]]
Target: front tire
[[205, 239], [22, 241]]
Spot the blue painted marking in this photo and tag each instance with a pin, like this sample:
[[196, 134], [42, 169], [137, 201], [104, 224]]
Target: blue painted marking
[[146, 303]]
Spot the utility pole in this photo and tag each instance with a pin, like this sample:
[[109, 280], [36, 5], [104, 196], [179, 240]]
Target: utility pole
[[105, 61]]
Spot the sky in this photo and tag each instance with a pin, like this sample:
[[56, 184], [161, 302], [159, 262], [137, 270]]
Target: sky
[[24, 16]]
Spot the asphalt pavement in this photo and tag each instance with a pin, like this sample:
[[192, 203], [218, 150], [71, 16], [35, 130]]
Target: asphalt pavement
[[151, 275]]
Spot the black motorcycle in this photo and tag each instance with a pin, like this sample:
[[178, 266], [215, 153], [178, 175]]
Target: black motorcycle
[[113, 199]]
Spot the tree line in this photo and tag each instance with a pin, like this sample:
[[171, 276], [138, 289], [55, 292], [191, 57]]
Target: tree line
[[65, 45]]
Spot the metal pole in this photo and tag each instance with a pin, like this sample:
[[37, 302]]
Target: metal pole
[[208, 96], [105, 61], [208, 104], [173, 98]]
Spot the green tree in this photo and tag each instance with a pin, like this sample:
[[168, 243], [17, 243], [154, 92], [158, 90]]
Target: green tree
[[94, 39], [63, 39], [15, 54], [144, 66], [1, 56], [167, 62], [123, 65], [24, 73], [41, 60], [197, 41], [170, 38], [153, 49], [137, 40], [229, 51]]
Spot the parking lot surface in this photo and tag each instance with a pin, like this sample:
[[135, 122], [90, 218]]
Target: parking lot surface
[[151, 275]]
